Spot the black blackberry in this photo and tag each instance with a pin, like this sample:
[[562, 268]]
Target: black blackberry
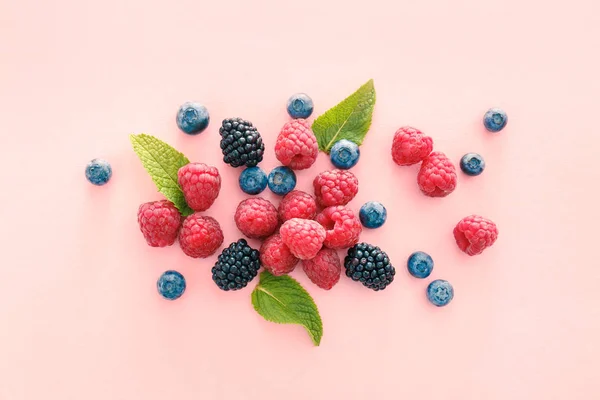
[[370, 265], [241, 143], [237, 265]]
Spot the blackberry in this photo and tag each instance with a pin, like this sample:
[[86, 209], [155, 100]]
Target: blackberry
[[241, 143], [370, 265], [237, 265]]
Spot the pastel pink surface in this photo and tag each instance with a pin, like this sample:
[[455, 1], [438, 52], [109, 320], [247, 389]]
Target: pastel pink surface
[[79, 314]]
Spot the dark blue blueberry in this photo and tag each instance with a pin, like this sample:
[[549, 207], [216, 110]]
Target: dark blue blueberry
[[372, 214], [253, 180], [344, 154], [495, 119], [171, 285], [472, 164], [420, 264], [98, 171], [440, 292], [300, 106], [192, 118], [282, 180]]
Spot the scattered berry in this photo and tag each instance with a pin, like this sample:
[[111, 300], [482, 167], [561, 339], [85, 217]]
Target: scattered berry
[[344, 154], [159, 222], [256, 217], [342, 226], [297, 204], [276, 257], [474, 234], [303, 237], [241, 143], [296, 146], [410, 146], [437, 176], [200, 236], [171, 285], [370, 265], [192, 118], [98, 172], [472, 164], [495, 119], [372, 214], [237, 265], [324, 269], [282, 180], [420, 264], [253, 180], [335, 187], [200, 184], [300, 105], [440, 292]]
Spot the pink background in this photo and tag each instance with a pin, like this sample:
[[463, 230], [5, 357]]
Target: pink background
[[79, 314]]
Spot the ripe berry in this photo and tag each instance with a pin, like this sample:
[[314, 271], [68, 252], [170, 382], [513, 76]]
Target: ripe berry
[[253, 180], [440, 292], [282, 180], [324, 269], [297, 204], [200, 184], [335, 187], [372, 214], [303, 237], [171, 285], [237, 265], [495, 119], [342, 227], [474, 234], [192, 118], [300, 105], [276, 257], [98, 172], [256, 217], [200, 236], [472, 164], [159, 222], [420, 264], [410, 146], [344, 154], [241, 143], [437, 176], [369, 265], [296, 146]]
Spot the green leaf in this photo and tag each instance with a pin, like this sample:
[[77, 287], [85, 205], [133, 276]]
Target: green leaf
[[281, 299], [162, 163], [350, 119]]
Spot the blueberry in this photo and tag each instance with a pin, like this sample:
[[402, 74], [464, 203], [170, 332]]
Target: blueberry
[[282, 180], [171, 285], [440, 292], [420, 264], [495, 119], [372, 214], [472, 164], [300, 106], [253, 180], [344, 154], [192, 118], [98, 171]]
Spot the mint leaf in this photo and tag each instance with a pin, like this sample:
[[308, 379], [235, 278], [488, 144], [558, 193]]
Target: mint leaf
[[162, 163], [350, 119], [281, 299]]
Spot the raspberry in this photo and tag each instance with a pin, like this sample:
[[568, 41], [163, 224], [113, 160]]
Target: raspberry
[[296, 146], [335, 187], [324, 269], [297, 204], [200, 184], [276, 257], [200, 236], [474, 234], [256, 217], [159, 222], [303, 237], [437, 176], [343, 227], [369, 265], [410, 146]]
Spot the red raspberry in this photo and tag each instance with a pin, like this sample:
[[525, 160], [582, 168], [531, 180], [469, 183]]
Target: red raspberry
[[200, 236], [335, 187], [410, 146], [303, 236], [159, 222], [296, 146], [474, 234], [343, 227], [256, 217], [297, 204], [200, 184], [437, 176], [324, 269], [276, 257]]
